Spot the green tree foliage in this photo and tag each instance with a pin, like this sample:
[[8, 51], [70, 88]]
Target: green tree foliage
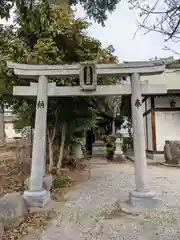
[[6, 76], [51, 36], [96, 9]]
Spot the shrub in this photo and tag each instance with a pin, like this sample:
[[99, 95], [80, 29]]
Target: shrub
[[109, 149], [60, 182]]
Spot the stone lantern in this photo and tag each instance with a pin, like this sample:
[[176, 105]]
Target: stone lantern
[[77, 150], [119, 155]]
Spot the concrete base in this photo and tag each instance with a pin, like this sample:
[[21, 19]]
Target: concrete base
[[119, 158], [143, 199], [171, 165], [37, 199], [154, 161], [51, 205]]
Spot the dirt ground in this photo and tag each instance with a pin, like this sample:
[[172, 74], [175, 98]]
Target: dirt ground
[[12, 177], [12, 173]]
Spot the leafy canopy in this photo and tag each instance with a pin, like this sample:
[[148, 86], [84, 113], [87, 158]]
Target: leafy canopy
[[51, 36], [95, 9]]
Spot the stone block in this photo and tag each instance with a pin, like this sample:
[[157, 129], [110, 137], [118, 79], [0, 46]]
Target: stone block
[[167, 153], [47, 182], [99, 148], [13, 210], [172, 152], [38, 198], [1, 230]]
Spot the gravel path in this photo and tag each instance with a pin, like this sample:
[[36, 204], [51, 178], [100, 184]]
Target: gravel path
[[84, 214]]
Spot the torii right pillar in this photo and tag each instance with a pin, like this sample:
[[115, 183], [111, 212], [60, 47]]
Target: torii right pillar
[[141, 195]]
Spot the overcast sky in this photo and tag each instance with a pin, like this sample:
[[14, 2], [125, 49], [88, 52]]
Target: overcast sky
[[119, 31]]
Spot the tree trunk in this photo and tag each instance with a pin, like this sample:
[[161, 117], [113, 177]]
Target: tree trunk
[[66, 151], [61, 149], [2, 126], [51, 136], [51, 155], [113, 127]]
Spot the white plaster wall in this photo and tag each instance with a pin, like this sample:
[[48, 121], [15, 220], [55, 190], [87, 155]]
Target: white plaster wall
[[9, 130], [164, 102], [149, 129], [167, 127], [170, 77]]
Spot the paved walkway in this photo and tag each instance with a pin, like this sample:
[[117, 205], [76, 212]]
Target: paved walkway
[[83, 216]]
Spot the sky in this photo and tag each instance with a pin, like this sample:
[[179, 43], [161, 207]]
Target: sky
[[119, 31]]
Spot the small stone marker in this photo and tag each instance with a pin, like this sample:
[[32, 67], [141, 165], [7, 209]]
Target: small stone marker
[[1, 230], [172, 152], [12, 210]]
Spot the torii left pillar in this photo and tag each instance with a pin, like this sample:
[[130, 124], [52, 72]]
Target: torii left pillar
[[36, 196]]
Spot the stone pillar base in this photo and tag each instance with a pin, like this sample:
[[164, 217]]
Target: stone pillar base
[[47, 182], [38, 198], [143, 199]]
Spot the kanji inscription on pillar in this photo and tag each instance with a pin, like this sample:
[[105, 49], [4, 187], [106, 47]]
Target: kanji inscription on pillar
[[137, 103], [40, 104]]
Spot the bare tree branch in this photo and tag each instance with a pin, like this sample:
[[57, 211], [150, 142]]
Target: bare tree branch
[[169, 49], [167, 22]]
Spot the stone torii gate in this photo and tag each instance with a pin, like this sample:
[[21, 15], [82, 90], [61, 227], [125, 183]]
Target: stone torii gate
[[87, 72]]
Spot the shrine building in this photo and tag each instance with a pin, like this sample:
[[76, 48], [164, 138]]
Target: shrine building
[[162, 112]]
